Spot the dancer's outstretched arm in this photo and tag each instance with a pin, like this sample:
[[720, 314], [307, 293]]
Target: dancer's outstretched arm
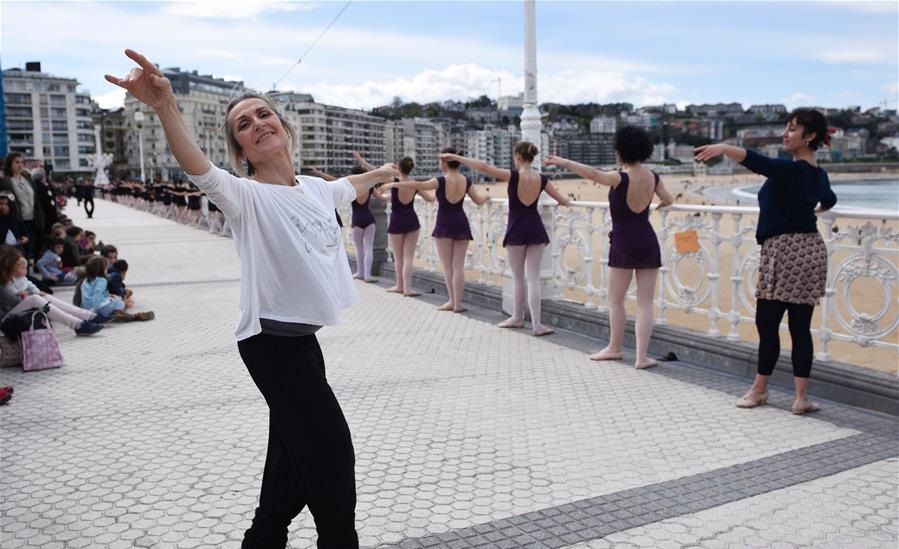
[[147, 83], [611, 179], [426, 185], [483, 167]]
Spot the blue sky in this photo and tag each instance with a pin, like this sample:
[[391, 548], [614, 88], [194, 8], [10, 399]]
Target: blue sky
[[797, 53]]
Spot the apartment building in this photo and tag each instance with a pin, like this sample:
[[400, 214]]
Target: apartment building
[[48, 120]]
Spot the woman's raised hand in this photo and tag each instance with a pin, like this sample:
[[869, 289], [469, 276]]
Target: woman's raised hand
[[707, 152], [450, 156], [146, 82], [553, 160]]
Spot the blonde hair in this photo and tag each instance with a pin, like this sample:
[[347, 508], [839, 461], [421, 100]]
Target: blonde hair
[[241, 166]]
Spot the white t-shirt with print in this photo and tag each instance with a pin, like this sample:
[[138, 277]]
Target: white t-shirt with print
[[293, 266]]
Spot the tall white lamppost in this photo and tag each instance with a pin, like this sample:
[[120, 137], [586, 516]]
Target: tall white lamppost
[[530, 116], [531, 127], [139, 120]]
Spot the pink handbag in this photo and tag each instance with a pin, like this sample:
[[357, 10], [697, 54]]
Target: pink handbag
[[40, 351]]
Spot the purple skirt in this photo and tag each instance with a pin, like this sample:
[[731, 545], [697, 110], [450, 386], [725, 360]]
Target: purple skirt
[[525, 230], [453, 224], [403, 221], [637, 249]]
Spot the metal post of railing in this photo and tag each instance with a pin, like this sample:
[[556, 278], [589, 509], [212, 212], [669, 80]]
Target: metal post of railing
[[736, 278], [715, 274], [827, 303]]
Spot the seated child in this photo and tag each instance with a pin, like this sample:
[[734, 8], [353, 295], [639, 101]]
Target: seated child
[[95, 293], [50, 265]]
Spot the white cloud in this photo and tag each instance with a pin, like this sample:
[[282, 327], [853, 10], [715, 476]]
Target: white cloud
[[470, 80], [111, 100], [869, 7], [798, 99], [231, 9], [892, 88], [841, 55]]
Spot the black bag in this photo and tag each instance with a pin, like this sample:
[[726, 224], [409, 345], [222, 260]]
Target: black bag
[[14, 324]]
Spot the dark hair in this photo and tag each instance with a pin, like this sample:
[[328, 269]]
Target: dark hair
[[74, 231], [9, 257], [88, 234], [108, 249], [812, 122], [633, 144], [357, 169], [57, 242], [96, 266], [406, 165], [528, 151], [235, 152], [451, 164], [7, 162], [120, 265]]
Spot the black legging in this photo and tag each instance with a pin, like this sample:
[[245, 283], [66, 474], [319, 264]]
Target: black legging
[[310, 458], [89, 199], [768, 314]]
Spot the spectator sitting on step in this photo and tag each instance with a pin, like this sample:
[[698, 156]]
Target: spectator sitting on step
[[71, 254], [58, 230], [50, 265], [87, 244], [13, 302], [110, 253], [116, 277], [95, 294]]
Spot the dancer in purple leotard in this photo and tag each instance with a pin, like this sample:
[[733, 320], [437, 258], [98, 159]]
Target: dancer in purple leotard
[[403, 226], [634, 248], [363, 226], [526, 237], [452, 232]]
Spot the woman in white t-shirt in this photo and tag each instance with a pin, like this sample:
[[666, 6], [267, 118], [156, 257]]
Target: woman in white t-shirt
[[295, 278]]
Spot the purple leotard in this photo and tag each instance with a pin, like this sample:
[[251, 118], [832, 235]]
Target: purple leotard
[[633, 241], [362, 216], [451, 219], [402, 216], [525, 226]]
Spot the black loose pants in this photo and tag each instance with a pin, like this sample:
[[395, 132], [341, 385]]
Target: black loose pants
[[310, 459]]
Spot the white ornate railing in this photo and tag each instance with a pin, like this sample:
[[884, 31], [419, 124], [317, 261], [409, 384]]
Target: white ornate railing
[[714, 287]]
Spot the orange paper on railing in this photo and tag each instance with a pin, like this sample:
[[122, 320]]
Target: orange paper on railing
[[686, 241]]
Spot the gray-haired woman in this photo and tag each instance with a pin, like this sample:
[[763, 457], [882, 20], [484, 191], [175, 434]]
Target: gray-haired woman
[[295, 278]]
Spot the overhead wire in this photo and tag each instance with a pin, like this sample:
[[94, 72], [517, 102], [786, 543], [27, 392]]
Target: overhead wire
[[312, 45]]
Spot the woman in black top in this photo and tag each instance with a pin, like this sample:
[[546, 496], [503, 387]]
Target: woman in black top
[[793, 264]]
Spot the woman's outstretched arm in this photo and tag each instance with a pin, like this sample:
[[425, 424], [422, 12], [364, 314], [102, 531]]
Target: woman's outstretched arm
[[147, 83]]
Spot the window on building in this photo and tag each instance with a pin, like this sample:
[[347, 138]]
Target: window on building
[[58, 113], [60, 150], [53, 87], [62, 164], [58, 100], [60, 125], [84, 163]]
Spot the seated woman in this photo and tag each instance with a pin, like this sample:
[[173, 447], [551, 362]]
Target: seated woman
[[14, 300]]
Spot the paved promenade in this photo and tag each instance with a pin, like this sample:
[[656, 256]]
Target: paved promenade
[[466, 435]]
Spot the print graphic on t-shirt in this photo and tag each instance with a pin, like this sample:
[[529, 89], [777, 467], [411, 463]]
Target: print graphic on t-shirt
[[323, 235]]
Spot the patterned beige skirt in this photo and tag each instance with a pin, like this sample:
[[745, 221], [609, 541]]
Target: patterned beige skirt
[[793, 268]]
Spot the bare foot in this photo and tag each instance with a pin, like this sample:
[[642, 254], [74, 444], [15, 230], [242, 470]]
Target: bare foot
[[511, 323], [542, 331], [460, 309], [357, 276], [648, 363], [395, 290], [371, 280], [606, 354], [411, 293], [448, 306]]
